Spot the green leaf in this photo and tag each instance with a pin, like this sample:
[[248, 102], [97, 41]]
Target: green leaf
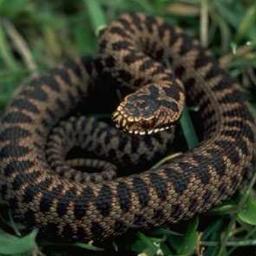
[[147, 246], [13, 245], [186, 245], [89, 246], [248, 213]]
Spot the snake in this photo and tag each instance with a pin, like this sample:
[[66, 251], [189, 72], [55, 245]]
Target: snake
[[157, 68]]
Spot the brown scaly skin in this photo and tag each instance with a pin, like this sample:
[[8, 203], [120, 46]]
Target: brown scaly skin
[[190, 184], [98, 138]]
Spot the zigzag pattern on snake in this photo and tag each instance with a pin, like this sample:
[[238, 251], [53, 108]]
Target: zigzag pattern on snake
[[47, 191]]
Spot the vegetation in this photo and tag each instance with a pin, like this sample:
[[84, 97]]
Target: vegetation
[[37, 34]]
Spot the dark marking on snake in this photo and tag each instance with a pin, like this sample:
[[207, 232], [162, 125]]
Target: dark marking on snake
[[62, 198]]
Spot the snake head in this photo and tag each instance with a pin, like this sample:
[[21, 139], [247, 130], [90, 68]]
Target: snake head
[[146, 111]]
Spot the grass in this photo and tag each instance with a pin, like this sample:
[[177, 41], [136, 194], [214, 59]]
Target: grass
[[36, 35]]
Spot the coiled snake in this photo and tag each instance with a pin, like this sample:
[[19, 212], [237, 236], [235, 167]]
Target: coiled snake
[[45, 190]]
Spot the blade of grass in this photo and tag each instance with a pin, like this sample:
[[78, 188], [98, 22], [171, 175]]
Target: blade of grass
[[97, 17], [204, 20], [188, 129], [20, 45], [5, 50], [224, 29], [246, 237], [247, 22], [88, 246], [233, 219], [235, 243]]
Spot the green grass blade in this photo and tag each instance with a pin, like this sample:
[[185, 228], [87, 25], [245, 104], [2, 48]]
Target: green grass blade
[[96, 15], [5, 51], [188, 129]]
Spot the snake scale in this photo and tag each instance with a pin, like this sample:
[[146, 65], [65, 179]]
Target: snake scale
[[160, 65]]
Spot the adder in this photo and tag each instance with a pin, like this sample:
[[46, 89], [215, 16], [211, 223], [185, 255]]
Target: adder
[[161, 67]]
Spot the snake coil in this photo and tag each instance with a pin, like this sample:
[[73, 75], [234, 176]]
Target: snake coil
[[46, 191]]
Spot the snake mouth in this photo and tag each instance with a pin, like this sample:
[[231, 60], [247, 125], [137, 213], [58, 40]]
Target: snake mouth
[[137, 125], [148, 132]]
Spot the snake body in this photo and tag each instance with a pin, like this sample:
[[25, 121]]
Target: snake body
[[48, 194]]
